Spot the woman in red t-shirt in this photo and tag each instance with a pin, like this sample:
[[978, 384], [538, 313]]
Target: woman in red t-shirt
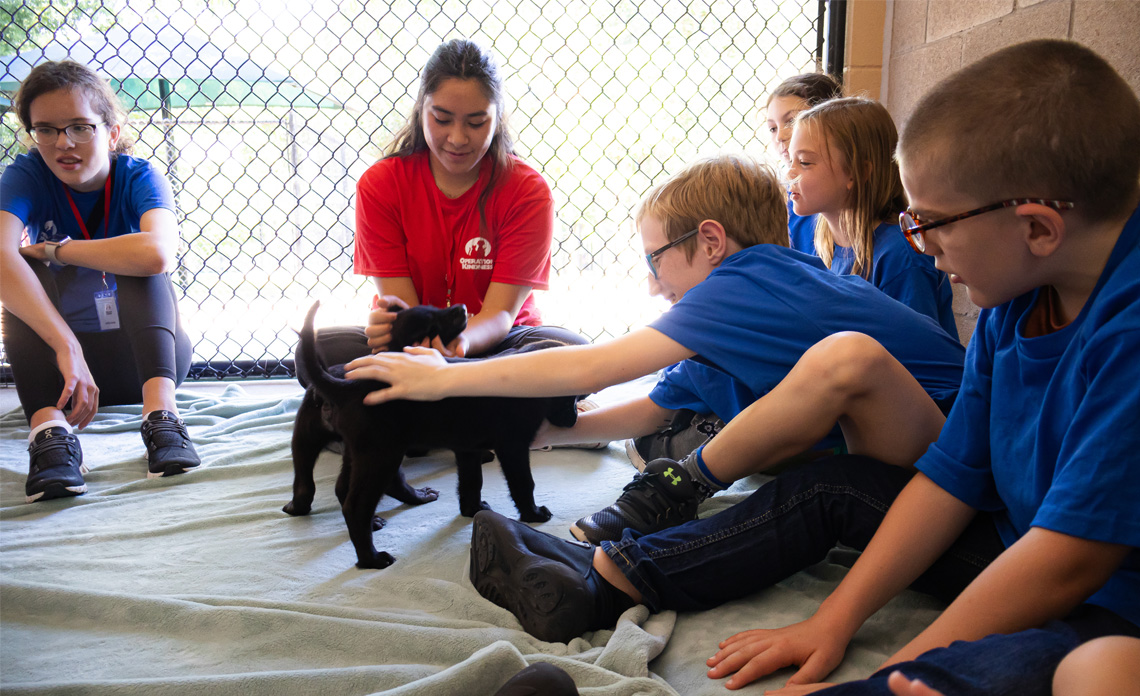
[[451, 216]]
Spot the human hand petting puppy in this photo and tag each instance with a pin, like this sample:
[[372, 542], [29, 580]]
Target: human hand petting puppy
[[415, 374], [379, 329]]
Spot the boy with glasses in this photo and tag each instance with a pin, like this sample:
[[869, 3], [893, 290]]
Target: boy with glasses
[[1023, 514], [744, 305]]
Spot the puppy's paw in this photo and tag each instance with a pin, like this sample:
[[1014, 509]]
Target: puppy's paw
[[381, 560], [538, 514], [296, 509], [470, 510], [423, 495], [378, 523]]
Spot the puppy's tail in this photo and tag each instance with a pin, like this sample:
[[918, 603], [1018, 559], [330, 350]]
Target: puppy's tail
[[311, 370]]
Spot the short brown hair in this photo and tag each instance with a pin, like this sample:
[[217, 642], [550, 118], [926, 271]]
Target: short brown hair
[[52, 75], [862, 132], [1042, 119], [744, 196]]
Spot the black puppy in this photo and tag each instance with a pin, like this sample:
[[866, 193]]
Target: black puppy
[[314, 427], [377, 437]]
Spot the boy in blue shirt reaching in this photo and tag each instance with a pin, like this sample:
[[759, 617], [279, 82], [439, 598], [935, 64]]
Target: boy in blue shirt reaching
[[1023, 513]]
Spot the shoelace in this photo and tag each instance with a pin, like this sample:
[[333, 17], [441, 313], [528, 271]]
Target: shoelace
[[166, 433], [653, 504], [45, 446]]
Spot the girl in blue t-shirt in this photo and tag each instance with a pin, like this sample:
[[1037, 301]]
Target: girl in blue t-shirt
[[843, 170], [791, 97], [90, 316]]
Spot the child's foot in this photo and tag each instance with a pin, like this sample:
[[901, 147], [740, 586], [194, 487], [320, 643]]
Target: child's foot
[[168, 447], [55, 467], [660, 497], [546, 582]]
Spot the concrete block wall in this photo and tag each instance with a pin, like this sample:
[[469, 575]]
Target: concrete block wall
[[926, 40]]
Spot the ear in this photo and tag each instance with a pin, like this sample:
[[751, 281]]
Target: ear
[[1044, 227], [713, 242], [115, 131]]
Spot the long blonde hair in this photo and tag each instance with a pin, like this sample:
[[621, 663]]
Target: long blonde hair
[[863, 133]]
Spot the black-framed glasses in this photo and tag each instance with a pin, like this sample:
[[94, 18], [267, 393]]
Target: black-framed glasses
[[77, 133], [653, 254], [913, 227]]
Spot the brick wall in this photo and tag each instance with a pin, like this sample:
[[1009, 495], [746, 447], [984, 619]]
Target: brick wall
[[925, 40]]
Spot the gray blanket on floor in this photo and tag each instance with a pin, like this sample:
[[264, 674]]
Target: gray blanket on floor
[[199, 584]]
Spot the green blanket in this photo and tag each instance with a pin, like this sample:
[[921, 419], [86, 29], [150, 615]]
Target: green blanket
[[199, 584]]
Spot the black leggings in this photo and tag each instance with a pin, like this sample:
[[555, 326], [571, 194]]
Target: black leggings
[[150, 343], [340, 344]]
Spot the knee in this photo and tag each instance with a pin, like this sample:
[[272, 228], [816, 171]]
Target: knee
[[1109, 665], [845, 363]]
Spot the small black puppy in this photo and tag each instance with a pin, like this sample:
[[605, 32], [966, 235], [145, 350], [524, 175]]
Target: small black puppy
[[376, 439]]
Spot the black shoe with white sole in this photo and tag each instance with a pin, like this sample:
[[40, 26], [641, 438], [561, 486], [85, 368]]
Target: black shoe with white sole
[[168, 447], [55, 466]]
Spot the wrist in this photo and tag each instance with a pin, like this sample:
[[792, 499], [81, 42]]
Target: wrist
[[52, 250]]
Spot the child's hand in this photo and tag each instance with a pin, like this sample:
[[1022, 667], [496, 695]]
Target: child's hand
[[413, 374], [750, 655]]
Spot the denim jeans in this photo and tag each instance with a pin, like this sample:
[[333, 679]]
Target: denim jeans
[[788, 524], [792, 522], [1017, 664]]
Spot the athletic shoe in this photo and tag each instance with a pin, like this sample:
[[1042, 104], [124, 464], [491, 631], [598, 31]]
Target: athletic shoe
[[546, 582], [168, 447], [684, 434], [55, 466], [583, 406], [660, 497]]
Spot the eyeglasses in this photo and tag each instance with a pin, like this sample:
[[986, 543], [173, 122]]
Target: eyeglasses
[[653, 254], [913, 227], [77, 133]]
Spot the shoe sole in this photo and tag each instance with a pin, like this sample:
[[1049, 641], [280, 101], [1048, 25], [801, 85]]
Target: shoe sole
[[493, 563], [172, 470], [57, 490], [579, 534], [635, 457]]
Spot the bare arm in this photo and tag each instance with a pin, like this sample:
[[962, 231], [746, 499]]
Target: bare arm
[[486, 329], [632, 418], [1043, 576], [154, 250], [422, 373], [22, 295]]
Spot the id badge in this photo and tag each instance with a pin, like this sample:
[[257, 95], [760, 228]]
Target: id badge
[[108, 309]]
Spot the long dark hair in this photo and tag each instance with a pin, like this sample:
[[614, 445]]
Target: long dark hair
[[67, 74], [465, 60]]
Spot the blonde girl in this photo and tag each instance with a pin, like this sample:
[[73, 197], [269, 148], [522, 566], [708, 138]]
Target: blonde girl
[[843, 170]]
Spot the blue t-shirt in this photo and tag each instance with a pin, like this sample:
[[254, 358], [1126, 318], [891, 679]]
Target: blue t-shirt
[[1046, 430], [904, 275], [30, 191], [756, 314], [801, 230]]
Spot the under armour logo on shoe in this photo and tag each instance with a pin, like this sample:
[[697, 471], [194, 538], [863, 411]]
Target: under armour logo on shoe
[[668, 473]]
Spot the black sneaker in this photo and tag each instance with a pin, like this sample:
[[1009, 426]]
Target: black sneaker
[[660, 497], [168, 447], [686, 432], [541, 579], [55, 467]]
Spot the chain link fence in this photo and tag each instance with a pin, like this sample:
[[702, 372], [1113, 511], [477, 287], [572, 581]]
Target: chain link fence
[[264, 115]]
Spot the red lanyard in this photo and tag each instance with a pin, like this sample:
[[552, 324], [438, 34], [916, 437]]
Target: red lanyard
[[106, 207]]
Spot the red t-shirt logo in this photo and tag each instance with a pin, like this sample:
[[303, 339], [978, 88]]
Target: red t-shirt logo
[[477, 247]]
